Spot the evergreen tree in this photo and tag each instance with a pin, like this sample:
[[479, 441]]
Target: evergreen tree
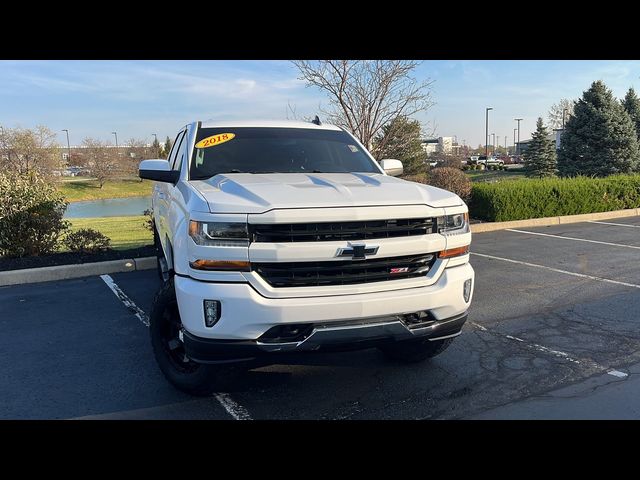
[[631, 104], [155, 148], [400, 139], [167, 147], [540, 157], [599, 138]]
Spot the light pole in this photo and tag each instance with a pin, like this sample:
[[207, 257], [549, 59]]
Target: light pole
[[506, 150], [157, 145], [564, 111], [518, 146], [68, 146], [514, 140], [493, 144], [116, 135], [486, 132]]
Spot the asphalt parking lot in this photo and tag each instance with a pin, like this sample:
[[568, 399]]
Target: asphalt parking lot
[[553, 332]]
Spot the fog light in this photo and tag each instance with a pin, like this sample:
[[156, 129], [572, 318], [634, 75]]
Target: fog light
[[212, 311], [466, 291]]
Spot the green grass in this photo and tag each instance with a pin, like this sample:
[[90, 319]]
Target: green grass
[[124, 232], [495, 175], [79, 190]]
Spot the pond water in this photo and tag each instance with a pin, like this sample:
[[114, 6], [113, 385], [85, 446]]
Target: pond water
[[108, 207]]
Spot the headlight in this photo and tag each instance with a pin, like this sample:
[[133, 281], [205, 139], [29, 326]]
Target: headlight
[[454, 224], [219, 234]]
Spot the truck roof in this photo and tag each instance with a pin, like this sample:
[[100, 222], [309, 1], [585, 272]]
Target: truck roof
[[266, 123]]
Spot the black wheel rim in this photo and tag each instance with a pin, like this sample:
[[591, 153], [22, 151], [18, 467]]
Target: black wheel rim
[[172, 345]]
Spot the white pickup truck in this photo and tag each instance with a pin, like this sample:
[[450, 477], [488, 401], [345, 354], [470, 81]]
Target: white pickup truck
[[280, 237]]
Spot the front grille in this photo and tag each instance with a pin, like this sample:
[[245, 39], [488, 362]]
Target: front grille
[[328, 231], [344, 272]]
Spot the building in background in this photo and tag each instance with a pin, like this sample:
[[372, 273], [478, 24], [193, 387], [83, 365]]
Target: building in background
[[440, 145]]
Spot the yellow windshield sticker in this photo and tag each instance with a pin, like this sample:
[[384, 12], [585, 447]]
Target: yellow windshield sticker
[[215, 140]]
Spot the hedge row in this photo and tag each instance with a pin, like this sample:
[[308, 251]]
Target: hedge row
[[551, 197]]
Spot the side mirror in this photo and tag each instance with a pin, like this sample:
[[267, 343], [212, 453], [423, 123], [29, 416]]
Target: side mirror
[[392, 167], [158, 170]]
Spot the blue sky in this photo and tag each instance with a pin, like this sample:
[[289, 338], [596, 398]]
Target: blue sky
[[138, 98]]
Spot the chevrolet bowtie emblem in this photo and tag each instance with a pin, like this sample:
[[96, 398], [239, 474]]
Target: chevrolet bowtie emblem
[[358, 251]]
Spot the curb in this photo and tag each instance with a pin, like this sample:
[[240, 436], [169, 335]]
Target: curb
[[64, 272], [548, 221]]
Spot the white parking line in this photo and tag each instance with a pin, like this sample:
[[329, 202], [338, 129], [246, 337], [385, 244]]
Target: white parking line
[[614, 224], [555, 353], [544, 267], [573, 238], [137, 311], [237, 411]]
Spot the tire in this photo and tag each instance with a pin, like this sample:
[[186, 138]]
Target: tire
[[413, 351], [164, 274], [184, 374]]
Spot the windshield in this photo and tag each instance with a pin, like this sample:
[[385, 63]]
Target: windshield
[[276, 150]]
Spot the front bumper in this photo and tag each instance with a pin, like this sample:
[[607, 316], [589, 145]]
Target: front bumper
[[327, 337], [246, 315]]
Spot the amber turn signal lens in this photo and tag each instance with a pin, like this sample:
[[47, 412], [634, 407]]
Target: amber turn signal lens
[[193, 228], [233, 265], [454, 252]]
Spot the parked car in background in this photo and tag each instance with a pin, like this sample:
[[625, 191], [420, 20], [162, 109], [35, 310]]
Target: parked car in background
[[491, 161]]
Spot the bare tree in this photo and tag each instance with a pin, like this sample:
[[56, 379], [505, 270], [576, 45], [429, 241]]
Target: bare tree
[[564, 106], [365, 95], [135, 150], [99, 159], [25, 150]]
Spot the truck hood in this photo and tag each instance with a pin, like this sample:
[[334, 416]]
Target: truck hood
[[258, 193]]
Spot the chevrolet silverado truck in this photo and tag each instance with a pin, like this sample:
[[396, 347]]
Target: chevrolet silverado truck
[[282, 237]]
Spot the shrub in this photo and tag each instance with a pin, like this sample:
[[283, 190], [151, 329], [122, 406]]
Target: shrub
[[148, 222], [31, 213], [454, 161], [418, 178], [87, 240], [452, 179], [550, 197]]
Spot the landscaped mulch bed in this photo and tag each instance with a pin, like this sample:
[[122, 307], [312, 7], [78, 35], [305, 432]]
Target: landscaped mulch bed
[[68, 258]]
